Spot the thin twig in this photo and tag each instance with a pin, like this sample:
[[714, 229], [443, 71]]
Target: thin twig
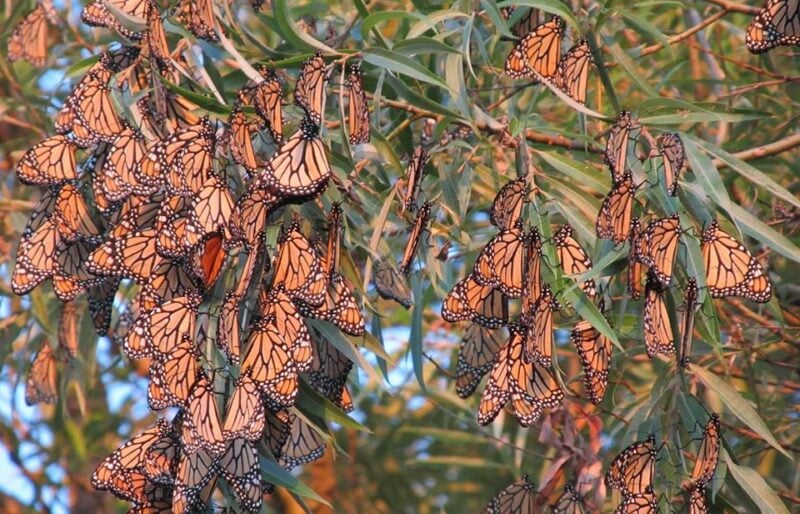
[[758, 152], [735, 7]]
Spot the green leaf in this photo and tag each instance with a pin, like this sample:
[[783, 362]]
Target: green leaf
[[747, 171], [740, 407], [423, 45], [497, 19], [551, 6], [756, 487], [645, 28], [631, 69], [325, 409], [371, 21], [205, 102], [275, 474], [401, 64], [415, 337], [296, 37], [458, 462]]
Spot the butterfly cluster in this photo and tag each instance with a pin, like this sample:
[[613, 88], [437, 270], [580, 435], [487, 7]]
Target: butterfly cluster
[[632, 472], [146, 205], [731, 270], [538, 55], [508, 267]]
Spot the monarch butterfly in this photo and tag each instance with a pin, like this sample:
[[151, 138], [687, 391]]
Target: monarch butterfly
[[72, 217], [96, 14], [475, 357], [35, 256], [195, 479], [268, 359], [118, 173], [639, 503], [41, 386], [708, 454], [518, 498], [249, 216], [572, 74], [531, 388], [239, 140], [133, 256], [161, 329], [527, 22], [532, 284], [69, 280], [339, 307], [357, 108], [211, 210], [507, 206], [29, 40], [203, 418], [88, 111], [657, 245], [240, 467], [415, 174], [573, 258], [537, 54], [539, 329], [228, 326], [245, 412], [674, 155], [121, 473], [390, 284], [309, 91], [731, 270], [68, 329], [172, 279], [469, 300], [329, 371], [156, 39], [298, 268], [698, 502], [183, 158], [100, 299], [570, 502], [173, 376], [655, 320], [614, 219], [198, 18], [775, 25], [501, 263], [276, 305], [622, 132], [635, 269], [632, 471], [302, 445], [266, 96], [164, 112], [415, 238], [594, 349], [207, 260], [687, 323], [49, 162], [335, 231], [300, 167]]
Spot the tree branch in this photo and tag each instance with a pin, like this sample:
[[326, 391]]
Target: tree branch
[[758, 152]]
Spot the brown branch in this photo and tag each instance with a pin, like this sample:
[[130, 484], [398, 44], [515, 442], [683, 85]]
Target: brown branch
[[498, 129], [758, 152], [735, 7], [685, 34]]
